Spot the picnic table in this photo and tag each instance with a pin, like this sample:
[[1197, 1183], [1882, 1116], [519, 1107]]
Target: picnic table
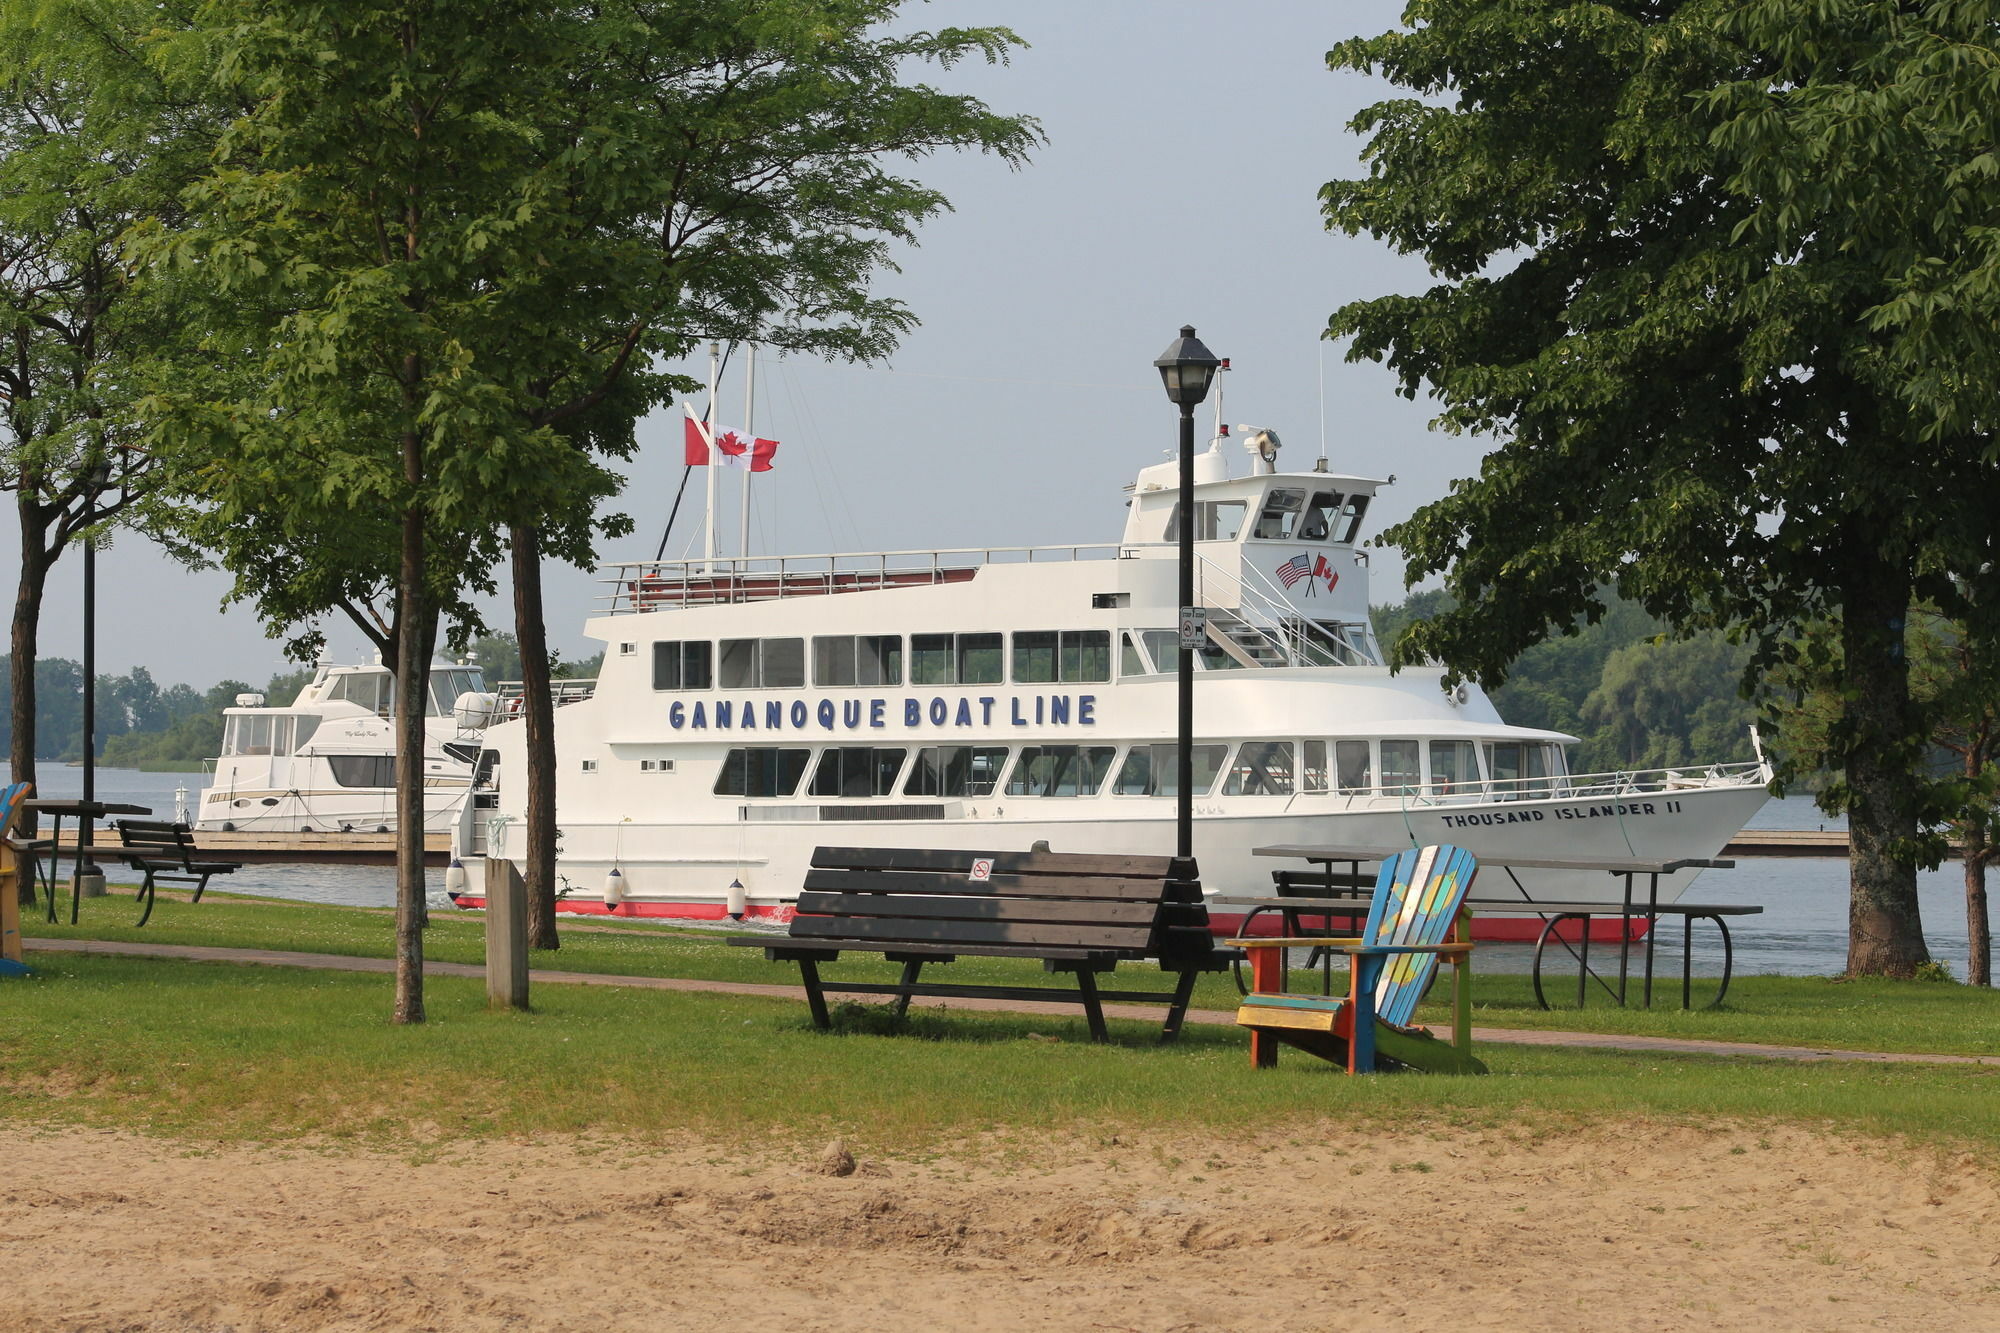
[[1630, 906], [56, 808]]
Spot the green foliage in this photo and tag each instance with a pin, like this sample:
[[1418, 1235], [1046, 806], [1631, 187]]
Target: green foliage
[[498, 656], [1694, 261], [1634, 695]]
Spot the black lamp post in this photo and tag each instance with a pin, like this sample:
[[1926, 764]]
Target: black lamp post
[[89, 877], [1186, 367]]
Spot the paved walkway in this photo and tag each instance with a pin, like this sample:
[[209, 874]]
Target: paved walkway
[[1217, 1017]]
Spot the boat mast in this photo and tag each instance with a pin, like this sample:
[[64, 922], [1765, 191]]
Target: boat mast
[[749, 444], [708, 523]]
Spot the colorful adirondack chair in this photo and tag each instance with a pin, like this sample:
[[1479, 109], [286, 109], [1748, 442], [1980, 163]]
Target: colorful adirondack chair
[[1419, 899], [12, 866]]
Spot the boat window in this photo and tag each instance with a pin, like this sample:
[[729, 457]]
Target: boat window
[[761, 771], [770, 664], [1215, 520], [856, 770], [1399, 766], [1350, 763], [1350, 519], [1154, 770], [956, 659], [1312, 769], [682, 664], [1503, 765], [1280, 514], [858, 659], [1318, 523], [370, 689], [1061, 770], [1262, 768], [1048, 656], [363, 770], [1164, 646], [1554, 761], [249, 734], [1130, 662], [1454, 767], [482, 772], [956, 770], [304, 725], [447, 685]]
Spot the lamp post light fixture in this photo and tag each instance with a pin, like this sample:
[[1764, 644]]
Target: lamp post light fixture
[[1187, 368]]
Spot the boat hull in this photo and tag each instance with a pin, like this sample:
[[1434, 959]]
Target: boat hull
[[686, 870]]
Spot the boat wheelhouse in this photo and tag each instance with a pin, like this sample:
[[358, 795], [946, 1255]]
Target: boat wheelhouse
[[751, 709], [327, 761]]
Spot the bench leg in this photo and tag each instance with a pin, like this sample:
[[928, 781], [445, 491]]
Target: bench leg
[[815, 997], [199, 889], [146, 896], [1177, 1011], [1093, 1008], [910, 971]]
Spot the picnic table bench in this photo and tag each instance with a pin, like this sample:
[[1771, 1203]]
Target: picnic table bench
[[1079, 914], [166, 851]]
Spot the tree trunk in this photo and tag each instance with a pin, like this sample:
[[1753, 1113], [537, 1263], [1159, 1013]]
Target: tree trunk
[[1885, 929], [1978, 928], [538, 712], [413, 648], [24, 644]]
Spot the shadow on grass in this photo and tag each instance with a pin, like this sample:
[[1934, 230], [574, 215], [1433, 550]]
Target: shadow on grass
[[988, 1028]]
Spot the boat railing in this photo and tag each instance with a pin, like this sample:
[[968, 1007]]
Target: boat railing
[[665, 585], [1270, 615], [509, 693], [1572, 786]]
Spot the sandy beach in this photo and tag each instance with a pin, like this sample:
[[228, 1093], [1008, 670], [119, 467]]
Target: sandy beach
[[1665, 1227]]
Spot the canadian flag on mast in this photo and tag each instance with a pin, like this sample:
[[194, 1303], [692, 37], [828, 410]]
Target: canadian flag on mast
[[732, 448]]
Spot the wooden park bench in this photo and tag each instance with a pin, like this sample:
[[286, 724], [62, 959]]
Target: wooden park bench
[[166, 852], [1079, 914]]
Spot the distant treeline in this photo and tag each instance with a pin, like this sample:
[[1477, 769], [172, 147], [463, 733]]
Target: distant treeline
[[141, 725], [1636, 698]]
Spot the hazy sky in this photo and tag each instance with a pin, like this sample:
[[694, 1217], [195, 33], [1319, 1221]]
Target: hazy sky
[[1187, 144]]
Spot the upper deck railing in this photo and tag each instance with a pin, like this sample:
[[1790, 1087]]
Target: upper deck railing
[[667, 585]]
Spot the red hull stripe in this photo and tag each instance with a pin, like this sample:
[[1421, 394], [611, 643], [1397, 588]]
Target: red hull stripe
[[1493, 930]]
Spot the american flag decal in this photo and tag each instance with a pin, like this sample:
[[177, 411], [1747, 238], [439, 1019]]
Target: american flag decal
[[1298, 567]]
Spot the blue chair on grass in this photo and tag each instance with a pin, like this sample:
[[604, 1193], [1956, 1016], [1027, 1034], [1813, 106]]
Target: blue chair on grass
[[1419, 900]]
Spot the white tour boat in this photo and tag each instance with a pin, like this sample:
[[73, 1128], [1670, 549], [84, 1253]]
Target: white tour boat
[[327, 761], [751, 709]]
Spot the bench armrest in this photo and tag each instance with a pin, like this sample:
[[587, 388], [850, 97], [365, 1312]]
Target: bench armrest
[[1295, 942]]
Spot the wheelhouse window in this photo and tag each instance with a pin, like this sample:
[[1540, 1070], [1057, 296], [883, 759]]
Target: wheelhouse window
[[369, 689], [1262, 768], [1454, 767], [1061, 770], [1154, 770], [1279, 517], [363, 770], [1214, 521], [1321, 513], [1350, 519], [1312, 766], [956, 770], [1130, 661], [858, 659], [1050, 656], [682, 664], [1400, 766], [448, 684], [761, 772], [957, 659], [769, 664], [854, 771]]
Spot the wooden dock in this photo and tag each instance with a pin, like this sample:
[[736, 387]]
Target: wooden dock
[[1788, 842], [346, 849]]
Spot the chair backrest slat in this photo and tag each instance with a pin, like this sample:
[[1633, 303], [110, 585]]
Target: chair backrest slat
[[10, 803], [1417, 897]]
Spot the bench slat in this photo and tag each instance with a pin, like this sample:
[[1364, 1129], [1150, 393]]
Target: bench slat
[[1046, 886], [976, 908], [1011, 863], [1118, 938]]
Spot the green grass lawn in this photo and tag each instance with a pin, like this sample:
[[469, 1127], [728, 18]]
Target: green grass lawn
[[1934, 1017], [210, 1052]]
